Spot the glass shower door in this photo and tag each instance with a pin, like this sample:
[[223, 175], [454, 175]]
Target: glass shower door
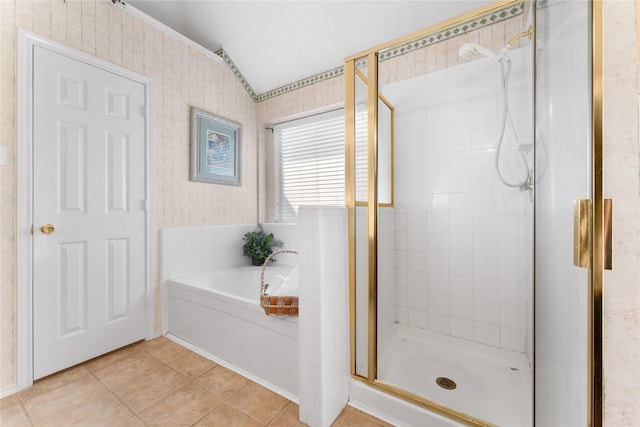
[[563, 165]]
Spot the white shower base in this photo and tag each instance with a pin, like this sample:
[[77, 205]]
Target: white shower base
[[493, 385]]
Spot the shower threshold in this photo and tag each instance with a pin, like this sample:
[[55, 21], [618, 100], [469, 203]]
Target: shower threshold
[[492, 384]]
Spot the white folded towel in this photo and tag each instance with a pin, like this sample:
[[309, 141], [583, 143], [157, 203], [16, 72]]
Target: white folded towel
[[281, 286]]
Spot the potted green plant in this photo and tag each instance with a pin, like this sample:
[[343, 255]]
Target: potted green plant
[[259, 245]]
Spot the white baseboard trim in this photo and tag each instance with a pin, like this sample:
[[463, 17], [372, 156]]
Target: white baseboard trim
[[8, 391]]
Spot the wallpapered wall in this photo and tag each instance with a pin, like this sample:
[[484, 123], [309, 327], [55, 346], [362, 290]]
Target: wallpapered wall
[[182, 75], [621, 182]]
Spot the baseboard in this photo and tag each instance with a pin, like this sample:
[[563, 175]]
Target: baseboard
[[8, 391]]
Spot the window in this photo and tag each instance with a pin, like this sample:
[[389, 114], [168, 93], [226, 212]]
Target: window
[[309, 164], [309, 161]]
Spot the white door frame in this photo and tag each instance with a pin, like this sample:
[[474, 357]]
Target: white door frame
[[24, 163]]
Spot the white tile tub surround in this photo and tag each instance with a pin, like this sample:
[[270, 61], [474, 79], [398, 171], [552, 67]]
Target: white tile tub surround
[[324, 314], [192, 250], [462, 238]]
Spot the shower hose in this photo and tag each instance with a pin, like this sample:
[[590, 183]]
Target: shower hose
[[524, 184]]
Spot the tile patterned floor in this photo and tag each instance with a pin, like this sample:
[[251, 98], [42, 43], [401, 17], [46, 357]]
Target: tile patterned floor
[[155, 383]]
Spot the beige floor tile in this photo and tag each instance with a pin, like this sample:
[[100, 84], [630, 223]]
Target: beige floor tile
[[9, 405], [144, 345], [225, 415], [100, 362], [351, 417], [11, 412], [132, 422], [163, 349], [259, 402], [125, 371], [182, 408], [75, 397], [166, 350], [288, 418], [103, 410], [192, 364], [51, 382], [64, 399], [152, 387], [20, 420], [222, 382]]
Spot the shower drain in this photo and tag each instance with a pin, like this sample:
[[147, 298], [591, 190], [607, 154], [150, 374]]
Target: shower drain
[[446, 383]]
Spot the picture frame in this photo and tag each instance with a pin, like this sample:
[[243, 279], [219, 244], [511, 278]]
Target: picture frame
[[216, 149]]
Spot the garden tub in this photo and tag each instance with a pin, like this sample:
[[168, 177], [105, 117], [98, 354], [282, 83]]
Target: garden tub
[[219, 313]]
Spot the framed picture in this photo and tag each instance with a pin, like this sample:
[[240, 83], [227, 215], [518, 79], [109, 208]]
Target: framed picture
[[216, 154]]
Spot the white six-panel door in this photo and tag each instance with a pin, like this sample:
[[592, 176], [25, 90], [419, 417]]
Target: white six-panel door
[[89, 184]]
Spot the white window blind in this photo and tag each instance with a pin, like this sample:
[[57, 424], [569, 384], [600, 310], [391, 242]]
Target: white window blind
[[309, 164]]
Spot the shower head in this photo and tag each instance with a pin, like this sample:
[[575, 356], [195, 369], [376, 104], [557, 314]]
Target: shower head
[[468, 49]]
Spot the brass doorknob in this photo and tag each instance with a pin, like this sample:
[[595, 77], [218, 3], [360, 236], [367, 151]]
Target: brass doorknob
[[47, 229]]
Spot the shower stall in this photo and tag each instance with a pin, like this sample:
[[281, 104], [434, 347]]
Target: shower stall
[[467, 146]]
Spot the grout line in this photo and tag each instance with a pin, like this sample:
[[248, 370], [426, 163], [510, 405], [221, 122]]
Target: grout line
[[283, 410], [120, 400], [24, 410], [211, 410]]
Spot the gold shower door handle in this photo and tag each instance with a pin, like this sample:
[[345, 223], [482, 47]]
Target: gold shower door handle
[[581, 233], [47, 228]]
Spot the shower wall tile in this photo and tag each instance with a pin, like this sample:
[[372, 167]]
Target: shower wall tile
[[461, 285], [486, 333], [462, 308], [462, 328], [436, 243], [437, 263], [417, 242], [416, 262], [438, 303], [473, 262], [512, 339], [418, 318], [460, 244], [460, 264], [402, 298], [417, 299], [439, 323], [437, 282], [486, 311], [416, 279], [402, 316]]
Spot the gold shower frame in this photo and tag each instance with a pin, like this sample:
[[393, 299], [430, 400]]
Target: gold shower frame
[[595, 278]]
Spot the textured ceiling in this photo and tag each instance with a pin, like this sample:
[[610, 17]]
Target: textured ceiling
[[278, 42]]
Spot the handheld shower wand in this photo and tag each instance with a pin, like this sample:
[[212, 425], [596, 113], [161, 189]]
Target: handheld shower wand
[[465, 53]]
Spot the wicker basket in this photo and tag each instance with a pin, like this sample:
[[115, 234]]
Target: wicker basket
[[276, 305]]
